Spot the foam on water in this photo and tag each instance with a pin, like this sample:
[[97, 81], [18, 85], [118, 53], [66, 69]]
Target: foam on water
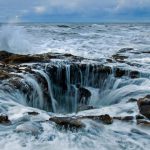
[[91, 41]]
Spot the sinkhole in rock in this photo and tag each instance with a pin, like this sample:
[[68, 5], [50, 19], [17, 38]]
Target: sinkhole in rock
[[66, 88]]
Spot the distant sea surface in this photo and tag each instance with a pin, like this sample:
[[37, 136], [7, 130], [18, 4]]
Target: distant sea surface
[[88, 40]]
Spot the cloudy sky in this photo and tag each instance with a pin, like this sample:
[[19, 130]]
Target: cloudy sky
[[74, 10]]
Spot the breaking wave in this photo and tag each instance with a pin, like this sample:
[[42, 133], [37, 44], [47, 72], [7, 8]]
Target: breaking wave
[[15, 39]]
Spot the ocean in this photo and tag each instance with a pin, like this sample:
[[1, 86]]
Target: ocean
[[124, 45]]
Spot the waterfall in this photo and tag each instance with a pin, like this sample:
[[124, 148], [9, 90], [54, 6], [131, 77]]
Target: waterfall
[[54, 102], [87, 72], [37, 94], [81, 77], [68, 77], [75, 102]]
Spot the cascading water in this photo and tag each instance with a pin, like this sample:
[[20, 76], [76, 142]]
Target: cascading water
[[68, 76], [36, 97], [54, 102]]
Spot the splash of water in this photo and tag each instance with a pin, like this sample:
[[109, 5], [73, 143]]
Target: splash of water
[[15, 39]]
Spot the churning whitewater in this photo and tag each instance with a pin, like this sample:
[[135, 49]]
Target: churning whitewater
[[74, 86]]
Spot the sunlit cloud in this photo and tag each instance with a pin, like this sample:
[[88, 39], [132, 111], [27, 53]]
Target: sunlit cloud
[[40, 9]]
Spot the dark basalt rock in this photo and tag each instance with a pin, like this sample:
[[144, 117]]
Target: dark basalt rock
[[76, 122], [11, 58], [119, 72], [144, 106], [33, 113], [143, 123], [119, 58], [67, 122], [125, 118], [4, 119], [4, 75], [109, 60], [84, 95], [138, 117], [106, 119], [146, 52], [134, 74], [4, 55], [17, 59]]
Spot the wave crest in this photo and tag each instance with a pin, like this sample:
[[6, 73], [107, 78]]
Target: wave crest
[[15, 39]]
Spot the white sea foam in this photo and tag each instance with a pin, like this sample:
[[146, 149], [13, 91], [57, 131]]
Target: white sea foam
[[91, 41]]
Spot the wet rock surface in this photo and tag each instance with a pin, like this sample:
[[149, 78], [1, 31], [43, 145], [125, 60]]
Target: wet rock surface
[[33, 113], [139, 117], [76, 121], [144, 106], [4, 119], [11, 58], [125, 118], [143, 123], [67, 122]]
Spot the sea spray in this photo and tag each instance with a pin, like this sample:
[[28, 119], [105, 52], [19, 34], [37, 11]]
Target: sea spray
[[16, 39]]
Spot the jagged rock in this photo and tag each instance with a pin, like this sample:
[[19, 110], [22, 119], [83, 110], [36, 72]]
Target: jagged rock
[[143, 123], [125, 118], [106, 119], [134, 74], [33, 113], [10, 58], [4, 75], [119, 72], [75, 122], [22, 59], [144, 106], [67, 122], [4, 119], [138, 117], [110, 60], [4, 55], [104, 69], [119, 58], [146, 52], [84, 95], [131, 100]]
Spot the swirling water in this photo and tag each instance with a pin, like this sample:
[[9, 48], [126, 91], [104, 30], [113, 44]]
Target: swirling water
[[94, 41]]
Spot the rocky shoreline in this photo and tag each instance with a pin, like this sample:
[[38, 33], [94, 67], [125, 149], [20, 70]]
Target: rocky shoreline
[[13, 68]]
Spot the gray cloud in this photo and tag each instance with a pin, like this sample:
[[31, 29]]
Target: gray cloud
[[81, 8]]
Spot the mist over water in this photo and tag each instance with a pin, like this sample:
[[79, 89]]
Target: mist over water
[[109, 94]]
